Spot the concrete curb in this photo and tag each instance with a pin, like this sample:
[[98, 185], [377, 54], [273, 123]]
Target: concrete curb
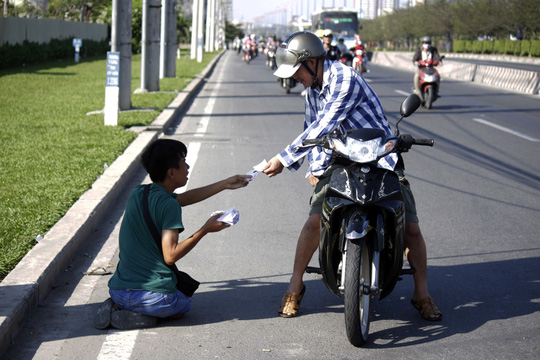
[[32, 279], [522, 81]]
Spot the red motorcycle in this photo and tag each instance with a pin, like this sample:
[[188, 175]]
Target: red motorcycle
[[249, 52], [358, 62], [429, 82]]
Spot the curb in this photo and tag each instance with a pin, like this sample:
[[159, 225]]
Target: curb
[[23, 289]]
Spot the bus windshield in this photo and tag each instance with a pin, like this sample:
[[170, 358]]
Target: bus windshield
[[344, 23]]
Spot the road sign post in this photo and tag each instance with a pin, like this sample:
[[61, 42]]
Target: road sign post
[[112, 88], [77, 44]]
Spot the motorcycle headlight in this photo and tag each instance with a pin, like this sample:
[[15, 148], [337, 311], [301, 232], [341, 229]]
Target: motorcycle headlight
[[363, 151], [358, 151]]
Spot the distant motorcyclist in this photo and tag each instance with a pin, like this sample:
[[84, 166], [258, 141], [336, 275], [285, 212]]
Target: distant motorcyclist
[[341, 45], [332, 52], [359, 54], [248, 45], [270, 51], [424, 52]]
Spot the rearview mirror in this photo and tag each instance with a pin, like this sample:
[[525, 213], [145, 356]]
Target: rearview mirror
[[410, 105]]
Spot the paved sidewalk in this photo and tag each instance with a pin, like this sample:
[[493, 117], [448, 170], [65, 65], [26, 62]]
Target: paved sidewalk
[[32, 279]]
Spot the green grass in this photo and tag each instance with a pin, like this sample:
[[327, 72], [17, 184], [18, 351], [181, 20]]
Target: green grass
[[51, 151]]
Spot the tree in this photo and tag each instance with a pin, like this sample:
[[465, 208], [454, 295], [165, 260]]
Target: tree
[[78, 10]]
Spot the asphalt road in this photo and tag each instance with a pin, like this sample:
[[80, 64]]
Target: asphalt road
[[477, 193]]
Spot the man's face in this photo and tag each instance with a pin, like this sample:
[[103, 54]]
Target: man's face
[[327, 39], [303, 76]]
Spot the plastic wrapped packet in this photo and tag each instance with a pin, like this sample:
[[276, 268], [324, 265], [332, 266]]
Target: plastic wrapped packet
[[256, 169], [230, 216]]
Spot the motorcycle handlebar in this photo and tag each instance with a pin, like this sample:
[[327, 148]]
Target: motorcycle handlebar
[[407, 141], [423, 142], [313, 142]]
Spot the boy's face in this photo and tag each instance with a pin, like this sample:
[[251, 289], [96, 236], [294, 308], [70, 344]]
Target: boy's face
[[181, 174]]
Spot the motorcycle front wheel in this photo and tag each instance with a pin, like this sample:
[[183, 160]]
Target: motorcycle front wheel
[[288, 86], [429, 97], [357, 291]]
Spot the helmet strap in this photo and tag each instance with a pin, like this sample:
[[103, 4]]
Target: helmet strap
[[314, 74]]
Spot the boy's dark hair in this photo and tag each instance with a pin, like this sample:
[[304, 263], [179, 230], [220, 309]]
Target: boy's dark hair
[[162, 155]]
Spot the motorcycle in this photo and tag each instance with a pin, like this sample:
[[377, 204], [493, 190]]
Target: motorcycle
[[346, 58], [287, 84], [362, 225], [271, 57], [248, 53], [429, 82], [358, 62]]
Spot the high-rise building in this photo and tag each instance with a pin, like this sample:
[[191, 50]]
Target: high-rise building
[[371, 9]]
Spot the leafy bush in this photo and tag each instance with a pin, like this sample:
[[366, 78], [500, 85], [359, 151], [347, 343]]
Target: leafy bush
[[487, 47], [459, 46], [33, 53], [513, 47], [535, 48], [499, 46], [477, 47]]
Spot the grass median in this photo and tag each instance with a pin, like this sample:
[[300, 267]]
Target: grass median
[[52, 152]]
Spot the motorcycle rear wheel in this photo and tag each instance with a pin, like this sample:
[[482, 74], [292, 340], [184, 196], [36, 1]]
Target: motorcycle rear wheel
[[357, 294]]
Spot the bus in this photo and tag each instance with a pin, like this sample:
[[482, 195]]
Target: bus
[[342, 22]]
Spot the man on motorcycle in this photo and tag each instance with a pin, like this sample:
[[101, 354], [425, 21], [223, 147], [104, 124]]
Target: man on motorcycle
[[424, 52], [248, 45], [337, 96], [332, 52], [359, 54]]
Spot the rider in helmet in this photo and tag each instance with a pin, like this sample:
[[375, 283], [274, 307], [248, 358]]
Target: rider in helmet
[[359, 50], [332, 52], [424, 52], [294, 52], [337, 98]]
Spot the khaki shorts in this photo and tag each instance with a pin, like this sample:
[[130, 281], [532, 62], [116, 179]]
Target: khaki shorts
[[321, 188]]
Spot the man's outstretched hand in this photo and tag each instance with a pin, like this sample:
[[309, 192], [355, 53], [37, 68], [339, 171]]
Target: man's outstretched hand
[[273, 167]]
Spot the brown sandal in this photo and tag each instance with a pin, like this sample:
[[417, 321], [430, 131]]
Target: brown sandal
[[290, 304], [427, 308]]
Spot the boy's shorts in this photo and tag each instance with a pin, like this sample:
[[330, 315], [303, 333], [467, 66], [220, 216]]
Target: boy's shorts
[[321, 188]]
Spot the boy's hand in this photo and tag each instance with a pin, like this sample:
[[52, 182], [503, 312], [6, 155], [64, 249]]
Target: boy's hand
[[273, 167], [212, 225], [237, 181]]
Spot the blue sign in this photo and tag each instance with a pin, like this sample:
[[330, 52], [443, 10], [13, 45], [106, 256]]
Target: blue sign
[[113, 69], [77, 43]]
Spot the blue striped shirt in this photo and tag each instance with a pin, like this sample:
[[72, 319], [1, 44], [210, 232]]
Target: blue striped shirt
[[345, 101]]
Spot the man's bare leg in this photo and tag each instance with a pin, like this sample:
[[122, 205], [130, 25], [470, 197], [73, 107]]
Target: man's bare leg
[[308, 242]]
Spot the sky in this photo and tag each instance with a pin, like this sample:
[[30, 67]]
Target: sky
[[249, 9]]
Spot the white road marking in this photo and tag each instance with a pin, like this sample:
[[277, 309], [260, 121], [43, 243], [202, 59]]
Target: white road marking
[[402, 92], [118, 345], [507, 130], [209, 108], [191, 159]]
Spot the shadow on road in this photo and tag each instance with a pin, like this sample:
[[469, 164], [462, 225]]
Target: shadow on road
[[469, 296]]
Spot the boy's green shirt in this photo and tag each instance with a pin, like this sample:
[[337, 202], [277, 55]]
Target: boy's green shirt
[[141, 264]]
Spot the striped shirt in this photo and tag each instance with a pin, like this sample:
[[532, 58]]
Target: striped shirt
[[345, 101]]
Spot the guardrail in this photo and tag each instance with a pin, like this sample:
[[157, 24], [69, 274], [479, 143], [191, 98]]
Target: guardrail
[[523, 81]]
